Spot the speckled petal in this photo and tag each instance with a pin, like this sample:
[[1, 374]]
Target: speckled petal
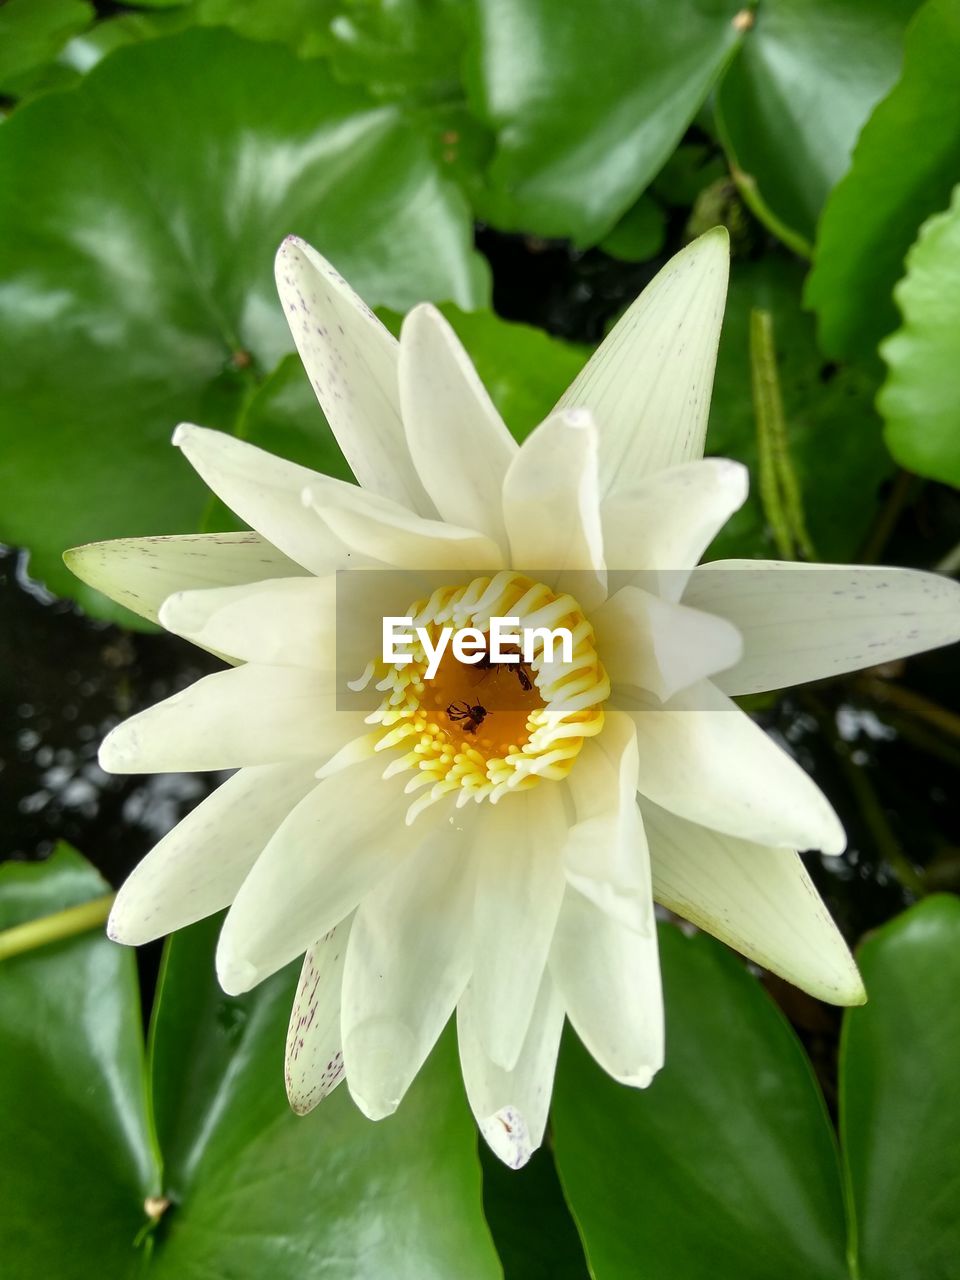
[[351, 360], [511, 1107], [757, 899], [812, 621], [200, 865], [141, 573], [314, 1054]]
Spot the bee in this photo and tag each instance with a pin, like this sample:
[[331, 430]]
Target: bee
[[487, 664], [474, 715]]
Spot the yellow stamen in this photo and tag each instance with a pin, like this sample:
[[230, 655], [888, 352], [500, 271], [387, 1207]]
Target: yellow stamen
[[478, 729]]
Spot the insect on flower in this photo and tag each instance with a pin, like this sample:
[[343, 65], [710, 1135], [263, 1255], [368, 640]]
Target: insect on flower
[[475, 715]]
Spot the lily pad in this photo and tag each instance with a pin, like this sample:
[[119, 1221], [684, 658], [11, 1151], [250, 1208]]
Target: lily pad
[[904, 169], [726, 1164], [137, 262], [900, 1115], [32, 32], [790, 107], [920, 399], [587, 108], [248, 1189], [76, 1154]]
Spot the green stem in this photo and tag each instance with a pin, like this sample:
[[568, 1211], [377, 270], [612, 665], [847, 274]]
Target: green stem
[[767, 405], [870, 807], [55, 927], [951, 561], [915, 704], [779, 485]]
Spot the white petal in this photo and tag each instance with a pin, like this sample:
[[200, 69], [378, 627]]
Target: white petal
[[266, 492], [459, 443], [608, 977], [648, 384], [511, 1107], [314, 1054], [347, 834], [757, 899], [662, 524], [606, 852], [198, 867], [520, 880], [377, 530], [351, 360], [250, 715], [550, 506], [810, 621], [141, 572], [659, 646], [408, 962], [703, 758], [281, 621]]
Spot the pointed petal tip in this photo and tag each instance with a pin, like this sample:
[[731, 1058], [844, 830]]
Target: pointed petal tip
[[508, 1137], [113, 755], [235, 975]]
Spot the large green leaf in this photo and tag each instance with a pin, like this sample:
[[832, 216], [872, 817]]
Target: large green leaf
[[790, 107], [34, 31], [261, 1192], [904, 168], [899, 1107], [589, 102], [726, 1165], [834, 433], [76, 1157], [253, 1190], [137, 261], [921, 396]]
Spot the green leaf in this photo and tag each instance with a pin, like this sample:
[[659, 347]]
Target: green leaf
[[588, 108], [531, 1224], [32, 32], [921, 395], [899, 1106], [640, 233], [795, 98], [260, 1192], [76, 1156], [833, 433], [904, 169], [138, 266], [726, 1165]]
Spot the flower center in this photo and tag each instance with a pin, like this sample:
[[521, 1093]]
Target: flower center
[[486, 729]]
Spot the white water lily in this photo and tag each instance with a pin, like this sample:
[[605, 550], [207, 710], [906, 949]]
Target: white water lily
[[505, 870]]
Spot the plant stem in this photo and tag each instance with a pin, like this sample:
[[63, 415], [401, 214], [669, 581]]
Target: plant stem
[[901, 491], [779, 487], [885, 691], [55, 927], [951, 561]]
